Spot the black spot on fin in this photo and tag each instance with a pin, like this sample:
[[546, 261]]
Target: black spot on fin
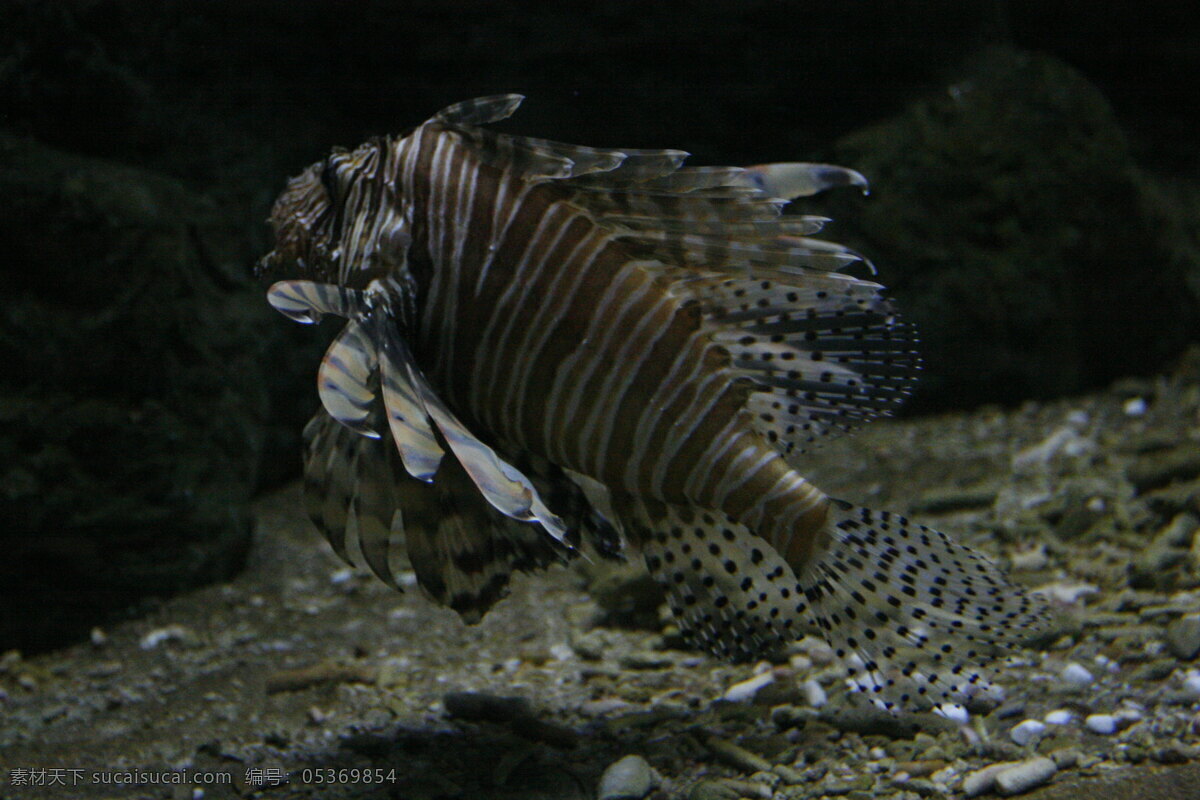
[[730, 591], [912, 613]]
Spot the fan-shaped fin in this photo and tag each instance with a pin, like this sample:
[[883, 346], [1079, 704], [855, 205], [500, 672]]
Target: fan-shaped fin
[[374, 505], [912, 613], [825, 351]]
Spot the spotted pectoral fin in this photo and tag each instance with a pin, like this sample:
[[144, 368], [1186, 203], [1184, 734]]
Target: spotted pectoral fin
[[731, 592], [463, 550]]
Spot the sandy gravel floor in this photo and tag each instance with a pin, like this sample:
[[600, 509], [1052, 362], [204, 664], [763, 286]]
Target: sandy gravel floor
[[306, 679]]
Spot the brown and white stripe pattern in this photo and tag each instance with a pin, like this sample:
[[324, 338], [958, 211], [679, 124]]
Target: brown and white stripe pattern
[[660, 333]]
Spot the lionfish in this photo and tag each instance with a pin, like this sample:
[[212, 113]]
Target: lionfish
[[620, 353]]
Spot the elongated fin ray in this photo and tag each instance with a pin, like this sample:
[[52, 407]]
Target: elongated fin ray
[[755, 230], [307, 301], [481, 110], [792, 180], [407, 418], [346, 377]]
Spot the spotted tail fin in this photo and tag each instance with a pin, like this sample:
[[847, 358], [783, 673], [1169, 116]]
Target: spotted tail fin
[[913, 615]]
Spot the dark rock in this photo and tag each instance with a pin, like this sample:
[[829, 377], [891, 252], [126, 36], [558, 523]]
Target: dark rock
[[1009, 210], [1183, 637], [133, 403], [1160, 469]]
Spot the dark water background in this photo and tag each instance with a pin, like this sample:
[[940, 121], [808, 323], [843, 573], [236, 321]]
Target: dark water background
[[1035, 209]]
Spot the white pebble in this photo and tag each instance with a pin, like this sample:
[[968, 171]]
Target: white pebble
[[341, 576], [1101, 723], [1034, 558], [1077, 675], [562, 651], [953, 712], [745, 690], [1127, 716], [1022, 777], [1079, 418], [171, 633], [1028, 731], [1059, 717], [1135, 407], [1191, 683], [814, 694], [1067, 594], [628, 779]]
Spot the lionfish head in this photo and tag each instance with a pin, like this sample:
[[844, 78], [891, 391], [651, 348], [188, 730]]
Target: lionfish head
[[312, 240], [301, 220]]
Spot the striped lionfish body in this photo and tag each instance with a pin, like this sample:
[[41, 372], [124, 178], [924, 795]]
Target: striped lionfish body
[[551, 346]]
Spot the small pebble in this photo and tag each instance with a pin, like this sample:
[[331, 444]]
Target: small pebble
[[158, 636], [1191, 683], [814, 695], [1135, 407], [1068, 594], [1028, 731], [341, 576], [1024, 776], [99, 637], [953, 712], [1077, 675], [1059, 717], [745, 690], [630, 778], [1101, 723], [1034, 558]]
